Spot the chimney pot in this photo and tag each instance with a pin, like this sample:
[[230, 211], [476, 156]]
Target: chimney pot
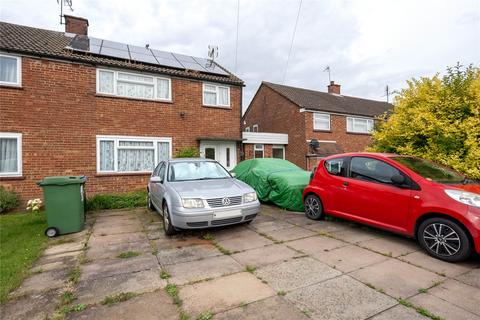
[[333, 88], [76, 25]]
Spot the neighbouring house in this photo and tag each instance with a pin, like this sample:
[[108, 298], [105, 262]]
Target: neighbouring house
[[72, 104], [303, 125]]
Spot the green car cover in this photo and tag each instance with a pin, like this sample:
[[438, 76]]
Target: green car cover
[[275, 180]]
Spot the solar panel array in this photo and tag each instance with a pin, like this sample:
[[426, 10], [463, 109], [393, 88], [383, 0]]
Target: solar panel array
[[142, 54]]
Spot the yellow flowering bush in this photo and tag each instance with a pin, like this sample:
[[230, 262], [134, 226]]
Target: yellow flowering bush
[[34, 205], [436, 118]]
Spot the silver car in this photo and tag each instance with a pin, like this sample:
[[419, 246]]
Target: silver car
[[199, 193]]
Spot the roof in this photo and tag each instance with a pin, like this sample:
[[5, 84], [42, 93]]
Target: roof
[[47, 43], [328, 102]]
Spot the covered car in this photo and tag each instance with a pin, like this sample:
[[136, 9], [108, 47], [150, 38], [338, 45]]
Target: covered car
[[275, 180]]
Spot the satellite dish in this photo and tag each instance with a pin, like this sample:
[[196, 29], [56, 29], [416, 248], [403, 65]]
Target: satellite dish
[[314, 144]]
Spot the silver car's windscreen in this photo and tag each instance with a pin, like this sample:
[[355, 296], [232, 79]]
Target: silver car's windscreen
[[196, 170]]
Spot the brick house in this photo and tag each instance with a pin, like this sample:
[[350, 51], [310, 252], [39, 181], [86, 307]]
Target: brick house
[[72, 104], [316, 124]]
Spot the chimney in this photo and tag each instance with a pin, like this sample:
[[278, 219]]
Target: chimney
[[333, 88], [76, 25]]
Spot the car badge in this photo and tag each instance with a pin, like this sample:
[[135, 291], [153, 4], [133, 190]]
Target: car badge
[[226, 201]]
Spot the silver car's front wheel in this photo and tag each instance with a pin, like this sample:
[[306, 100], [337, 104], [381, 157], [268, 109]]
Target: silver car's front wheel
[[167, 222]]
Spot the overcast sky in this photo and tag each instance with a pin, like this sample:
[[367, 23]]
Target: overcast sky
[[367, 44]]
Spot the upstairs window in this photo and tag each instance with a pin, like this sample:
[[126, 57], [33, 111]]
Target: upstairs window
[[255, 128], [359, 125], [133, 85], [10, 70], [10, 154], [216, 96], [247, 129], [321, 121]]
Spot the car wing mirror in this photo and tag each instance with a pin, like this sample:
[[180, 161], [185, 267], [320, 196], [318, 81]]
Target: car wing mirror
[[398, 179], [156, 180]]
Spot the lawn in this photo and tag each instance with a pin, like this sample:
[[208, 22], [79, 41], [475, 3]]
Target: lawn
[[22, 241]]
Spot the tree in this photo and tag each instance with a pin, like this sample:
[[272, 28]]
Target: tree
[[436, 118]]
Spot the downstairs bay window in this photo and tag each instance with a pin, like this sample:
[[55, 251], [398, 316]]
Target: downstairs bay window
[[119, 154]]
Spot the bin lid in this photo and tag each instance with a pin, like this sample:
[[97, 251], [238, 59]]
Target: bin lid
[[62, 180]]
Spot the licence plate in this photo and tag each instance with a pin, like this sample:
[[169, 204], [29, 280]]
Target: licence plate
[[227, 214]]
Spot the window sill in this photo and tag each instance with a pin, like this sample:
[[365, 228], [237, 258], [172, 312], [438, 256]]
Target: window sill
[[11, 86], [359, 133], [5, 178], [218, 107], [100, 95], [319, 130], [119, 174]]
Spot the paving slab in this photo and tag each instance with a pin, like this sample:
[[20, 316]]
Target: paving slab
[[441, 308], [95, 290], [110, 267], [459, 294], [300, 220], [423, 260], [393, 246], [272, 225], [66, 257], [149, 306], [327, 227], [248, 240], [399, 312], [471, 278], [178, 241], [274, 308], [113, 250], [295, 273], [265, 255], [186, 254], [223, 293], [44, 281], [192, 271], [33, 307], [63, 248], [340, 298], [316, 244], [398, 279], [357, 234], [129, 228], [115, 222], [229, 232], [116, 238], [288, 234], [348, 258], [49, 266]]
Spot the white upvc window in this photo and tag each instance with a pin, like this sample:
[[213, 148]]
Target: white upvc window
[[255, 128], [10, 154], [258, 151], [359, 125], [125, 154], [10, 70], [216, 96], [247, 129], [133, 85], [278, 151], [321, 121]]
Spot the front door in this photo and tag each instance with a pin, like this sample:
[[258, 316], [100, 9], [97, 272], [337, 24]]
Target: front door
[[224, 152]]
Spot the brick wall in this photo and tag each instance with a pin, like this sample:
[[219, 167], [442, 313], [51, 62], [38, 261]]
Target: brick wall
[[273, 113], [59, 114], [248, 149]]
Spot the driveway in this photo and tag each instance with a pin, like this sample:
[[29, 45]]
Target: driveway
[[281, 266]]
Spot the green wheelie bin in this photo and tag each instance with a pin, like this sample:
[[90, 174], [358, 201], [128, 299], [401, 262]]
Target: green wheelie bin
[[65, 201]]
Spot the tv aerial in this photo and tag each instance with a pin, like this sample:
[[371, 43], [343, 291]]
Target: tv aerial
[[62, 3]]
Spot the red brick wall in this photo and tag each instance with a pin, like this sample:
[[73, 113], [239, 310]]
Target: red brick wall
[[248, 149], [59, 114], [273, 113]]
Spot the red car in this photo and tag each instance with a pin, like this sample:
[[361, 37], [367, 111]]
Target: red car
[[412, 196]]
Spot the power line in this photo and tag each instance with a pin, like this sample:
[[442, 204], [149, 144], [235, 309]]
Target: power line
[[236, 42], [291, 43]]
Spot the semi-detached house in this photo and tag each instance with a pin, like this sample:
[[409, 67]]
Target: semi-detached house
[[72, 104]]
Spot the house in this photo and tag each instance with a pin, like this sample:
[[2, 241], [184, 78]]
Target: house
[[73, 104], [306, 124]]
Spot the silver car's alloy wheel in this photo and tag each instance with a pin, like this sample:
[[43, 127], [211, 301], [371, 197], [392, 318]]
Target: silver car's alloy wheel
[[442, 239], [312, 207], [165, 219]]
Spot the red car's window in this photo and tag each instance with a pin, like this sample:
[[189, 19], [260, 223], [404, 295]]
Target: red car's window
[[336, 167], [373, 170]]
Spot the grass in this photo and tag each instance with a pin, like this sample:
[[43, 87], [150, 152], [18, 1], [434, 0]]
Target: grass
[[172, 291], [164, 274], [205, 316], [212, 240], [121, 297], [422, 311], [22, 242], [117, 201], [281, 293], [250, 269], [74, 275], [128, 254]]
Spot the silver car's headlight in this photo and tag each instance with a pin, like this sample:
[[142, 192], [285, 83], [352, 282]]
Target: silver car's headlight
[[469, 198], [250, 197], [192, 203]]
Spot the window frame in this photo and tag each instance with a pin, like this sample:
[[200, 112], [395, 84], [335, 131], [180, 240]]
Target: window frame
[[217, 94], [247, 129], [116, 80], [18, 136], [116, 147], [407, 184], [279, 146], [255, 128], [369, 120], [255, 149], [345, 165], [19, 71], [315, 114]]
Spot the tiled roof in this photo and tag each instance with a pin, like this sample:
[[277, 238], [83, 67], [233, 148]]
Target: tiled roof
[[48, 43], [322, 101]]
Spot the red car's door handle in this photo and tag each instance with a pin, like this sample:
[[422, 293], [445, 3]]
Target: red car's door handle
[[345, 183]]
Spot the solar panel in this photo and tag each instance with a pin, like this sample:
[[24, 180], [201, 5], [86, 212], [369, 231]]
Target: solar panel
[[147, 58], [110, 52], [210, 66], [115, 45]]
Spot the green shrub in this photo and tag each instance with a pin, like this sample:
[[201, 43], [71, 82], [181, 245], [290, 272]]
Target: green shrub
[[189, 152], [117, 201], [8, 200]]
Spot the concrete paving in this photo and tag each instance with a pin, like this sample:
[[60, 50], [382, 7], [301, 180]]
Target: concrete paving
[[280, 266]]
